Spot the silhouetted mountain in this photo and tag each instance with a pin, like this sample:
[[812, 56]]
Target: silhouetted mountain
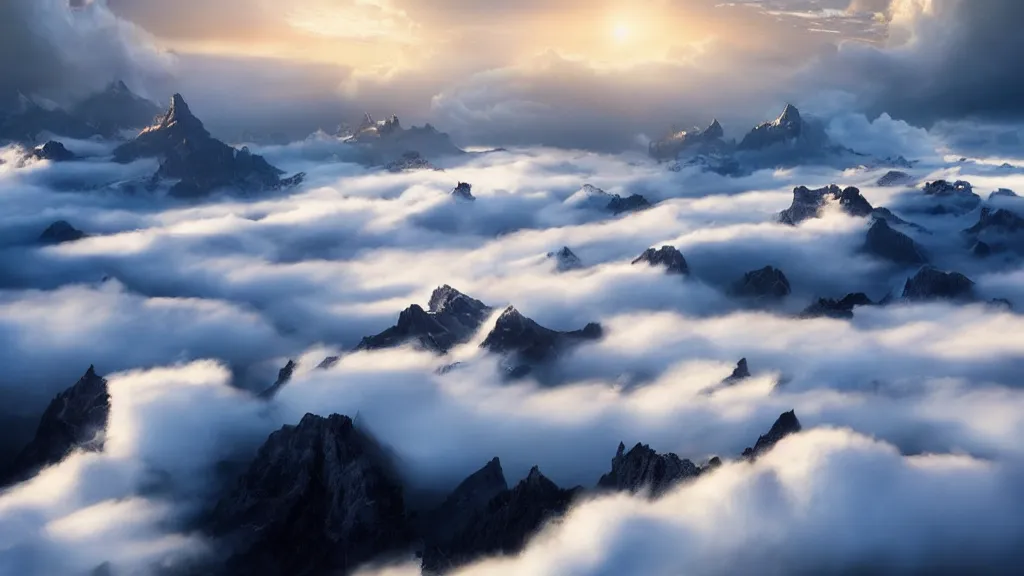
[[943, 197], [463, 191], [667, 256], [53, 151], [831, 308], [788, 126], [631, 203], [29, 119], [809, 203], [527, 342], [200, 163], [697, 140], [885, 242], [504, 525], [319, 498], [642, 469], [59, 232], [895, 178], [785, 425], [1003, 193], [565, 260], [284, 375], [998, 221], [932, 284], [768, 283], [116, 108], [386, 139], [75, 419], [452, 319], [741, 372], [469, 500]]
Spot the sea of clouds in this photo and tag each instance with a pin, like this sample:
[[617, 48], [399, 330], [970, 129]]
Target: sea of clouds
[[910, 460]]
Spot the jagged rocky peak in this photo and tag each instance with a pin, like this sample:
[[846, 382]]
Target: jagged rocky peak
[[504, 525], [319, 497], [786, 424], [565, 260], [999, 220], [53, 151], [631, 203], [590, 196], [788, 126], [714, 130], [408, 161], [1003, 193], [741, 372], [808, 203], [668, 257], [531, 343], [679, 141], [642, 470], [452, 320], [946, 188], [932, 284], [832, 308], [766, 283], [463, 191], [284, 375], [75, 419], [469, 499], [61, 231], [891, 244], [895, 178], [944, 197]]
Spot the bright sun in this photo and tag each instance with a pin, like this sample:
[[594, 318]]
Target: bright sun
[[620, 32]]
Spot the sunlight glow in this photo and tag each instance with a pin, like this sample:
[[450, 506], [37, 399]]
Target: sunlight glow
[[621, 32]]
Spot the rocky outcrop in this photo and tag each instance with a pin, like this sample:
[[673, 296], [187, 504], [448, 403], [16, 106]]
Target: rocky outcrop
[[198, 162], [786, 424], [469, 500], [832, 308], [75, 419], [527, 342], [409, 160], [768, 283], [319, 498], [667, 256], [950, 197], [999, 221], [463, 191], [53, 151], [932, 284], [644, 470], [116, 108], [677, 142], [1003, 193], [451, 319], [741, 372], [284, 375], [632, 203], [895, 178], [788, 126], [383, 139], [504, 526], [886, 242], [565, 260], [809, 203], [59, 232]]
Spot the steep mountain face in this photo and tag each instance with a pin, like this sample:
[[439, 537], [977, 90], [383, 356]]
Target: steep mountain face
[[768, 283], [75, 419], [469, 500], [786, 424], [565, 260], [200, 163], [832, 308], [932, 284], [997, 221], [284, 376], [642, 469], [59, 232], [504, 526], [53, 151], [116, 108], [632, 203], [888, 243], [451, 319], [788, 126], [319, 498], [386, 139], [696, 141], [741, 372], [809, 203], [528, 342], [668, 257]]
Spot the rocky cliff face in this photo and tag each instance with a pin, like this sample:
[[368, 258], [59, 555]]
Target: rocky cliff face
[[198, 162], [451, 318], [786, 424], [319, 498], [697, 141], [809, 203], [75, 419], [527, 342], [53, 151], [788, 126], [888, 243], [380, 141], [668, 257], [644, 470]]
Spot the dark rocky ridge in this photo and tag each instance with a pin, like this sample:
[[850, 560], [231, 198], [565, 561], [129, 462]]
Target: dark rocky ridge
[[895, 178], [768, 283], [888, 243], [200, 163], [666, 256], [59, 232], [284, 375], [999, 220], [831, 308], [643, 469], [451, 319], [75, 419], [53, 151], [786, 424], [631, 203], [116, 108], [463, 191], [527, 342], [670, 147], [943, 197], [809, 203], [931, 284], [380, 141], [741, 372], [788, 126]]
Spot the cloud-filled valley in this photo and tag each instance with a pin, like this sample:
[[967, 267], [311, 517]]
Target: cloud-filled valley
[[382, 350]]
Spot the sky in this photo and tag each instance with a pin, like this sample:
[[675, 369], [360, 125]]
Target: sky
[[494, 73]]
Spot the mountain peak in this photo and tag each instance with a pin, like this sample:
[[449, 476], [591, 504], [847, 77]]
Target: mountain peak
[[790, 115]]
